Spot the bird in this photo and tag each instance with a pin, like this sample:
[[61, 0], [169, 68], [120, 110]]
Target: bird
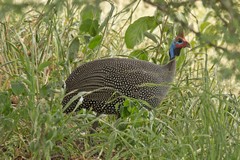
[[103, 85]]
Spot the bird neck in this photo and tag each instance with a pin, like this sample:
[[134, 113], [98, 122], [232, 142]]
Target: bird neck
[[171, 65], [173, 51]]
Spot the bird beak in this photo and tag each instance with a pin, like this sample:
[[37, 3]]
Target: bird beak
[[187, 44]]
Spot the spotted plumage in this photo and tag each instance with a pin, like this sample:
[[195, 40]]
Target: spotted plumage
[[104, 83]]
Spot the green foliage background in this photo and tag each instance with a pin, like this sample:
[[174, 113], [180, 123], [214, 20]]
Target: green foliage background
[[42, 42]]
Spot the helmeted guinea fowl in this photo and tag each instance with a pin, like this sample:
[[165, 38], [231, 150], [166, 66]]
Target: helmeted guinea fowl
[[107, 81]]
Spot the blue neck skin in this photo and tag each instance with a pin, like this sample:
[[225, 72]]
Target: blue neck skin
[[171, 51]]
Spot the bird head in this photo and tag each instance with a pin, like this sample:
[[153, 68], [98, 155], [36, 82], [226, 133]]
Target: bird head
[[178, 43]]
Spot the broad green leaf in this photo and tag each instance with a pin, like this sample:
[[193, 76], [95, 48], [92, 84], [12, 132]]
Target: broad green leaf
[[4, 98], [45, 91], [73, 49], [5, 103], [135, 32], [90, 12], [43, 65], [89, 26], [204, 25], [140, 54], [18, 87], [96, 41], [151, 36], [124, 112]]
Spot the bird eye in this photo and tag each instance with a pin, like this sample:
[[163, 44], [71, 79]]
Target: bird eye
[[180, 41]]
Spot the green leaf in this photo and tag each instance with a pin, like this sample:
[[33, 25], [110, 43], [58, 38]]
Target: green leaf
[[5, 103], [5, 99], [90, 26], [124, 112], [135, 32], [43, 65], [90, 12], [124, 109], [140, 54], [204, 25], [151, 36], [18, 87], [96, 41], [45, 91], [73, 49]]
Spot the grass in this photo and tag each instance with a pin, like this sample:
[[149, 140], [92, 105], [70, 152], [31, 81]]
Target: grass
[[197, 120]]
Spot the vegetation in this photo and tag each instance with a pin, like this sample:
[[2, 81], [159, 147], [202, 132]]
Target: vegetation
[[41, 43]]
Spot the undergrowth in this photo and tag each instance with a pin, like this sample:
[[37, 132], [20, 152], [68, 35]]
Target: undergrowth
[[198, 119]]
